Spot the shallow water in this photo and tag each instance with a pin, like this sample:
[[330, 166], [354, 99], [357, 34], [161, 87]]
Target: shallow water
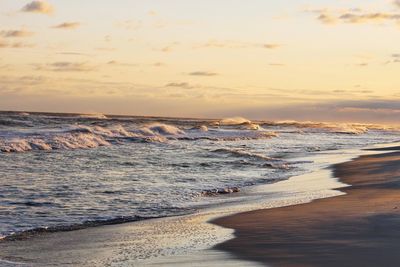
[[61, 172]]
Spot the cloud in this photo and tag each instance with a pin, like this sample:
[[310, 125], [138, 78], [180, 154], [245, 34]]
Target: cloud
[[73, 54], [327, 19], [15, 33], [41, 7], [394, 58], [272, 46], [183, 85], [65, 66], [236, 45], [353, 91], [4, 44], [159, 64], [368, 17], [168, 47], [354, 16], [369, 111], [67, 25], [117, 63], [202, 73]]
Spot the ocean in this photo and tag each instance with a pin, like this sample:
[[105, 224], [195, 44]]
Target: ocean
[[70, 171]]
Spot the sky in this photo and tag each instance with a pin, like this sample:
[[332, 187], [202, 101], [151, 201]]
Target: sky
[[324, 60]]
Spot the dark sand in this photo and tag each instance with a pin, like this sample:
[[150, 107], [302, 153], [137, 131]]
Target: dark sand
[[361, 228]]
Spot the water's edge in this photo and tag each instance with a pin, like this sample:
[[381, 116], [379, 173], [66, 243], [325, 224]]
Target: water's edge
[[188, 235]]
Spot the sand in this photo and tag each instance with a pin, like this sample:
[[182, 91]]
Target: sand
[[323, 232], [360, 228]]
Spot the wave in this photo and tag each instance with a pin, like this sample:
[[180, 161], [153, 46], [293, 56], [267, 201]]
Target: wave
[[67, 141], [23, 235], [267, 162], [163, 129], [335, 128], [201, 128], [234, 121], [93, 116], [242, 153], [12, 122], [83, 136]]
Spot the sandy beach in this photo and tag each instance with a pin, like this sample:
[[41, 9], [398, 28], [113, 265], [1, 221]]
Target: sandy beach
[[360, 228], [199, 133], [347, 230]]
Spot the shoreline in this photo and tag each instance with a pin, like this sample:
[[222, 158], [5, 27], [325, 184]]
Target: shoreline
[[191, 235], [359, 228]]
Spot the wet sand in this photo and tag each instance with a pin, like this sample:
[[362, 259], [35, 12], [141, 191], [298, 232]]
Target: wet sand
[[361, 228], [263, 238]]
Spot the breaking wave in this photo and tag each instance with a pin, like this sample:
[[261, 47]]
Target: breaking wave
[[98, 116], [268, 162], [83, 136], [336, 128], [234, 121], [66, 141], [78, 136]]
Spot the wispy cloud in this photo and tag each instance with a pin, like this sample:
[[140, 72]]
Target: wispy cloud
[[67, 25], [41, 7], [272, 46], [5, 44], [368, 17], [381, 111], [117, 63], [183, 85], [65, 66], [202, 73], [237, 44], [354, 16], [15, 33], [73, 54], [394, 58], [326, 18]]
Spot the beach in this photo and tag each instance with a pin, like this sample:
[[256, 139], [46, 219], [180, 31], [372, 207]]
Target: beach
[[360, 228], [354, 225], [199, 133]]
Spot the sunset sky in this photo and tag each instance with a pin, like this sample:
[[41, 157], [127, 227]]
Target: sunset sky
[[320, 60]]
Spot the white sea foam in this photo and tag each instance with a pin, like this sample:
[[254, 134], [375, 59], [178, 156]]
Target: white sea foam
[[234, 121], [165, 129], [203, 128], [65, 141], [83, 136], [93, 116], [75, 136], [252, 126], [339, 128]]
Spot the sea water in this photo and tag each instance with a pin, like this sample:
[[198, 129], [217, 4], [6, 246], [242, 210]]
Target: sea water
[[70, 171]]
